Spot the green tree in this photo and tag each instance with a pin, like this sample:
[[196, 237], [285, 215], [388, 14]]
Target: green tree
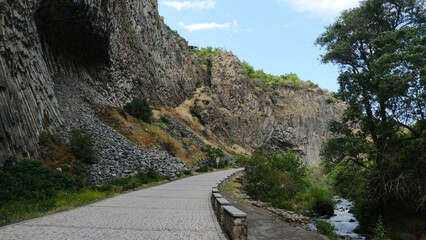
[[139, 108], [380, 48], [212, 153]]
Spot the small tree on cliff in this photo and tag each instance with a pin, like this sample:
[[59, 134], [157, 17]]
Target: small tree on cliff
[[380, 48], [139, 109]]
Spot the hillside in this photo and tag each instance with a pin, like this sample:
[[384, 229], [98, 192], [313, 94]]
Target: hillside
[[64, 62]]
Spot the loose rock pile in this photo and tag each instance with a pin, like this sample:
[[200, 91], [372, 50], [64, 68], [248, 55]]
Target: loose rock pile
[[287, 216], [119, 157], [178, 131]]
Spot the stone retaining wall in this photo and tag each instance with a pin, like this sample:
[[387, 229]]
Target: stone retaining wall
[[232, 220]]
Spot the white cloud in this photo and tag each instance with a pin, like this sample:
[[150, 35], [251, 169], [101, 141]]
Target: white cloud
[[328, 9], [197, 4], [202, 26], [232, 26]]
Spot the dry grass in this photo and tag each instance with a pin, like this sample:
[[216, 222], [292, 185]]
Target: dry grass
[[147, 135], [234, 187], [59, 155], [182, 114]]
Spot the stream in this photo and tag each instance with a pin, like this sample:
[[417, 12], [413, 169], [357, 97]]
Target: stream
[[344, 221]]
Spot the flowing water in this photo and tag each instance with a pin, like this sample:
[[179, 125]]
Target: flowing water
[[343, 220]]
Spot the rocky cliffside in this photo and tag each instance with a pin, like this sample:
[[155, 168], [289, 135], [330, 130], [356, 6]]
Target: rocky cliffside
[[61, 61], [121, 48], [236, 111]]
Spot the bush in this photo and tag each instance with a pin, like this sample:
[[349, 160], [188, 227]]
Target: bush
[[270, 80], [29, 180], [379, 230], [203, 168], [283, 180], [326, 228], [223, 163], [164, 119], [212, 153], [175, 33], [206, 56], [48, 140], [322, 204], [187, 172], [139, 109], [82, 147], [152, 174]]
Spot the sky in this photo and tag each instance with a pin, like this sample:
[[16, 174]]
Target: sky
[[277, 36]]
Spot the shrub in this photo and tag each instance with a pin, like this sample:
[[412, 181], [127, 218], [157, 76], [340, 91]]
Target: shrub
[[283, 180], [326, 228], [212, 153], [139, 109], [29, 180], [223, 163], [321, 201], [82, 147], [152, 174], [206, 56], [265, 80], [175, 33], [187, 172], [379, 230], [203, 168], [164, 119], [48, 139]]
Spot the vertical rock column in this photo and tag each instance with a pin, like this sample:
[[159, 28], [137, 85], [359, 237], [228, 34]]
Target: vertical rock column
[[27, 101]]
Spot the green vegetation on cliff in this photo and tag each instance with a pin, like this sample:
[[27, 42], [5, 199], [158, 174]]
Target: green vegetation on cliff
[[378, 155], [206, 56], [290, 80]]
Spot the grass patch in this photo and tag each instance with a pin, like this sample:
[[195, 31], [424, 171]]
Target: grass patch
[[229, 186], [234, 187]]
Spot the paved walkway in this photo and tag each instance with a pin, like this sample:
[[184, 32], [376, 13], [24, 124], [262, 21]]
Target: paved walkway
[[176, 210]]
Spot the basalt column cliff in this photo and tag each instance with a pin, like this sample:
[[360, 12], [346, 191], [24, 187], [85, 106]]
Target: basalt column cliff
[[120, 48], [62, 61]]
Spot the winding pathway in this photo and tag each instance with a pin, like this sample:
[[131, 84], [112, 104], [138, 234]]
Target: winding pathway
[[176, 210]]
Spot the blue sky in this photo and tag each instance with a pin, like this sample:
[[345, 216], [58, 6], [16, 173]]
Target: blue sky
[[274, 35]]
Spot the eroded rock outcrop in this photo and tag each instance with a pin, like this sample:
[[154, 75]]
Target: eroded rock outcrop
[[237, 111]]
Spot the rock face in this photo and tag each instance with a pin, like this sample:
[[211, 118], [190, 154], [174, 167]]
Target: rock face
[[238, 111], [121, 48], [62, 60]]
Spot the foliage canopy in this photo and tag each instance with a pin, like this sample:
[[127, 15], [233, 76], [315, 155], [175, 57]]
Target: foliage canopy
[[380, 48], [140, 109]]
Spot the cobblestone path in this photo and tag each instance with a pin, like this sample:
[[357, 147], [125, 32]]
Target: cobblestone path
[[176, 210]]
